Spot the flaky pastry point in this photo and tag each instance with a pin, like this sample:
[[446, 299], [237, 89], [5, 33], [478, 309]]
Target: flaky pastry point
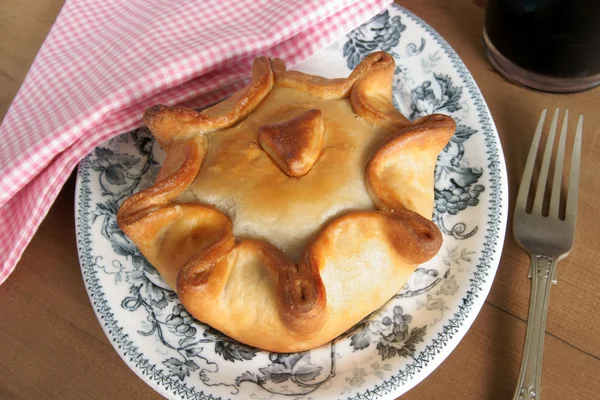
[[175, 123], [400, 175], [295, 144]]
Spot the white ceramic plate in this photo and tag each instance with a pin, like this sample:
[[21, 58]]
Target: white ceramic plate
[[384, 355]]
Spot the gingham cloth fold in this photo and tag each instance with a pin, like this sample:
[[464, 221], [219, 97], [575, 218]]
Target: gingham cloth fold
[[104, 62]]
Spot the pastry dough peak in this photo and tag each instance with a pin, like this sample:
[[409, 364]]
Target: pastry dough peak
[[294, 145]]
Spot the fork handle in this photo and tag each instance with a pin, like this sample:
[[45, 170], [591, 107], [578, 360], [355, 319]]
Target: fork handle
[[542, 274]]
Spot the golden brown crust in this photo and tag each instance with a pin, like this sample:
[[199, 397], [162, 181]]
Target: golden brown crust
[[414, 238], [240, 296], [301, 292], [295, 144], [332, 89], [172, 234], [176, 123], [400, 174], [241, 179], [251, 290], [372, 95], [169, 234], [204, 272], [344, 253], [180, 166], [314, 85]]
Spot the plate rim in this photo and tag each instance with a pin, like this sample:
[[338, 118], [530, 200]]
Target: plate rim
[[430, 357], [496, 229]]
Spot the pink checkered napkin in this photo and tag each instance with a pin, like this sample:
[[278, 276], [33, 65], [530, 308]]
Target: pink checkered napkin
[[104, 62]]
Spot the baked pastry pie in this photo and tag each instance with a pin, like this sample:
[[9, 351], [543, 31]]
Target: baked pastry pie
[[285, 214]]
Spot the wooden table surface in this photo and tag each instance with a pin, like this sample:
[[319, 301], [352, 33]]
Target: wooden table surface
[[52, 346]]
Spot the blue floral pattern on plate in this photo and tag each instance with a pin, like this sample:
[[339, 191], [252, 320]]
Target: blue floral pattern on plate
[[383, 355]]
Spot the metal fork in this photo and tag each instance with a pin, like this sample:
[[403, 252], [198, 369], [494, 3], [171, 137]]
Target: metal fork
[[547, 239]]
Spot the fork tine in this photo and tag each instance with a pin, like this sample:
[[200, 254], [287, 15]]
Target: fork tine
[[560, 156], [528, 171], [572, 195], [541, 184]]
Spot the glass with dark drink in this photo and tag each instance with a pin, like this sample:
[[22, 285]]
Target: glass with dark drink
[[550, 45]]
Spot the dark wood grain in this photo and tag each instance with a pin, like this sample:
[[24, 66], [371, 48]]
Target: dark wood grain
[[52, 346]]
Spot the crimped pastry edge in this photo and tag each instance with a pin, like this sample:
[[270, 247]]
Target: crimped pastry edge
[[180, 131]]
